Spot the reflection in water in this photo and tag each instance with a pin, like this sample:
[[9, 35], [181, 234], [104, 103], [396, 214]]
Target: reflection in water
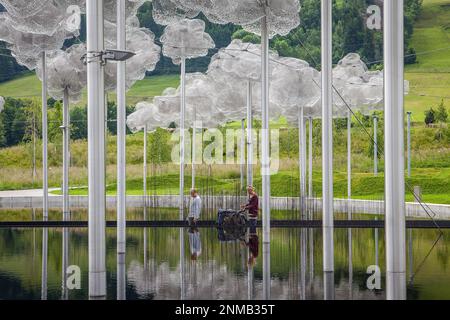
[[65, 263], [44, 264], [220, 269]]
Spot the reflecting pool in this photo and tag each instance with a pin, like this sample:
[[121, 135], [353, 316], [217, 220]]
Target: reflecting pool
[[215, 264]]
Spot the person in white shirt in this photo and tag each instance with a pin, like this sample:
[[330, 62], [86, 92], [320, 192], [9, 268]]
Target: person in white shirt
[[195, 208]]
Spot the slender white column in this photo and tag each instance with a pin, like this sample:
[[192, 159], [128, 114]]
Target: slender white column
[[121, 131], [302, 160], [265, 161], [44, 272], [394, 150], [182, 267], [249, 135], [65, 189], [66, 155], [310, 159], [96, 149], [44, 137], [145, 167], [194, 150], [408, 141], [349, 165], [242, 154], [327, 137], [182, 134], [375, 145]]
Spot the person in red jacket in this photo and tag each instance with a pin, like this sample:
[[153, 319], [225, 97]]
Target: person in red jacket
[[252, 205]]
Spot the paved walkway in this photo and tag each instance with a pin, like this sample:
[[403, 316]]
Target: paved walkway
[[26, 193]]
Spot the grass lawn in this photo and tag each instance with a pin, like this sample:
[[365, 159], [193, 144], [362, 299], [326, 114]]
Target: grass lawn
[[29, 86]]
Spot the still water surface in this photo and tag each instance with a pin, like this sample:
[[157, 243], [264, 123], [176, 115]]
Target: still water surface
[[216, 269]]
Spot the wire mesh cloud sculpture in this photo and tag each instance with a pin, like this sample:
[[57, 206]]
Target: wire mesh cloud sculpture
[[131, 9], [44, 16], [146, 115], [26, 47], [282, 15], [294, 85], [186, 39], [66, 72], [140, 41], [167, 12]]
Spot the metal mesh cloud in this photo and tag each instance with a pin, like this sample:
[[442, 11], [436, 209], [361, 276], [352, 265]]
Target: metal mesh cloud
[[295, 84], [27, 47], [146, 114], [66, 71], [282, 15], [44, 16], [131, 9], [186, 39], [147, 54]]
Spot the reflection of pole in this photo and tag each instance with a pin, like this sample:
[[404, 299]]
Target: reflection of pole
[[44, 137], [302, 160], [44, 262], [65, 263], [265, 165], [375, 145], [303, 263], [121, 277], [310, 161], [96, 149], [410, 255], [66, 155], [394, 150], [350, 264], [182, 267], [145, 167], [242, 153], [182, 134], [408, 141], [349, 165], [327, 137], [249, 135], [121, 131]]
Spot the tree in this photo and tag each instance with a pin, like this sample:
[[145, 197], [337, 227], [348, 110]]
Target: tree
[[430, 116], [441, 113]]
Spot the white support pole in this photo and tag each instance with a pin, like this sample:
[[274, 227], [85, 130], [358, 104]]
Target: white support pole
[[327, 137], [265, 156], [194, 150], [182, 267], [302, 159], [349, 165], [96, 149], [310, 158], [65, 189], [394, 150], [145, 168], [44, 272], [66, 155], [121, 131], [408, 140], [182, 134], [249, 135], [375, 145], [242, 154], [44, 137]]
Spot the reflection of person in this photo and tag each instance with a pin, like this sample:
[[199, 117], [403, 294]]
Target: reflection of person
[[195, 208], [252, 205], [195, 244], [253, 247]]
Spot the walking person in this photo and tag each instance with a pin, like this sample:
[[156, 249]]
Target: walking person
[[252, 205], [195, 208]]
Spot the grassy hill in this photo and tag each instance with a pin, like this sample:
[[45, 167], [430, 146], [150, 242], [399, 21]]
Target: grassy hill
[[29, 86], [430, 77]]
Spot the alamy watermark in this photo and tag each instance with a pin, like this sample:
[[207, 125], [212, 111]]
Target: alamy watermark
[[227, 147]]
